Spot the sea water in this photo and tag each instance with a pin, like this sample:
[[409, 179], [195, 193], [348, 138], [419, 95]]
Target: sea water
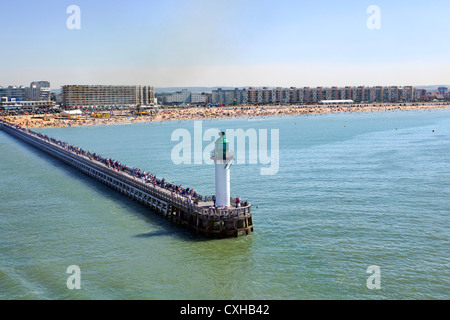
[[353, 190]]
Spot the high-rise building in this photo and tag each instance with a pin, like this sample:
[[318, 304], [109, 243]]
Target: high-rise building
[[185, 96], [101, 95], [179, 97], [227, 97], [13, 93], [37, 91], [198, 98]]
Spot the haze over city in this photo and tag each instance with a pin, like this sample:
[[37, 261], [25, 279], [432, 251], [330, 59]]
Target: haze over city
[[226, 43]]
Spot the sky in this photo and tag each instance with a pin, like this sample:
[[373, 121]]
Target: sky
[[176, 43]]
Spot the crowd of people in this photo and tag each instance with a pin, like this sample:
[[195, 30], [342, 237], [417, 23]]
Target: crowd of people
[[189, 194], [52, 118], [177, 191]]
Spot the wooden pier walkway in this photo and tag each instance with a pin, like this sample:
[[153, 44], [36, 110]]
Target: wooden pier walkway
[[197, 216]]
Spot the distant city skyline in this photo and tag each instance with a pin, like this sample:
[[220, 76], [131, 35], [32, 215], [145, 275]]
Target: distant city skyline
[[232, 43], [209, 89]]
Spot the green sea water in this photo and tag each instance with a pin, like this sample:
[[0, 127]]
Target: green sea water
[[353, 190]]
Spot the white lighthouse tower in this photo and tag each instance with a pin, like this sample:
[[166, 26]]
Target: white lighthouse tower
[[222, 158]]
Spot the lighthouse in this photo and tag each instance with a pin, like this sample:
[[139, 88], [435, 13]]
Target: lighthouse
[[222, 158]]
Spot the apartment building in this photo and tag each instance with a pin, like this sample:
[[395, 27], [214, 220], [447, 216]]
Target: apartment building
[[37, 91], [100, 95], [198, 98]]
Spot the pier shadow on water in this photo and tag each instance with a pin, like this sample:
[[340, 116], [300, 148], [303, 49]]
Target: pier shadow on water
[[168, 228]]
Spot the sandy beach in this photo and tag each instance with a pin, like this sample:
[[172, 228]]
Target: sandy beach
[[174, 114]]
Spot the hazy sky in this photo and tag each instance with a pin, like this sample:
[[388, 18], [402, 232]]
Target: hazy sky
[[226, 43]]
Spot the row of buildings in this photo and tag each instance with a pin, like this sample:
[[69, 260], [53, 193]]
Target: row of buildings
[[38, 94], [37, 91], [295, 95], [73, 96]]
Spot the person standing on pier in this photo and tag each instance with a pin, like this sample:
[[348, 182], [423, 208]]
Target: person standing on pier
[[214, 200]]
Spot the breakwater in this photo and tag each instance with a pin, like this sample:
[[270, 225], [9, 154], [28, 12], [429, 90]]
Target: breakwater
[[196, 213]]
